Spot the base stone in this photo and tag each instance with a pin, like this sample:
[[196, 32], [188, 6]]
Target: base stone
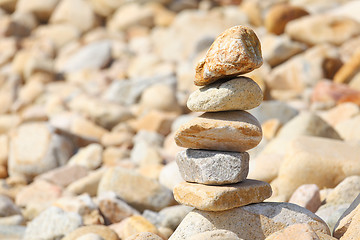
[[220, 198]]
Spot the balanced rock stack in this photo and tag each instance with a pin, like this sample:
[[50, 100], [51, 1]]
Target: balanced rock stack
[[216, 164]]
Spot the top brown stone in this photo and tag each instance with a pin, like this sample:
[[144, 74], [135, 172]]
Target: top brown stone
[[236, 51]]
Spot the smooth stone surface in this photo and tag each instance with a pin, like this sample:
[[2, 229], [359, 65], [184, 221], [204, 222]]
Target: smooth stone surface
[[345, 192], [138, 191], [307, 196], [12, 232], [102, 231], [330, 213], [299, 231], [239, 93], [334, 29], [236, 131], [320, 161], [53, 223], [213, 167], [144, 236], [220, 198], [236, 51], [255, 221]]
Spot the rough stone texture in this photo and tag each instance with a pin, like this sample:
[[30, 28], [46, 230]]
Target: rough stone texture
[[255, 221], [280, 14], [213, 167], [307, 196], [236, 51], [51, 224], [320, 161], [215, 235], [144, 236], [137, 190], [220, 198], [240, 93], [35, 149], [345, 220], [301, 231], [354, 228], [236, 131], [103, 231], [334, 29]]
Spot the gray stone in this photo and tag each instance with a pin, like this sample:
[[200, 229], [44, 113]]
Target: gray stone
[[255, 221], [92, 56], [213, 167], [239, 93], [52, 224]]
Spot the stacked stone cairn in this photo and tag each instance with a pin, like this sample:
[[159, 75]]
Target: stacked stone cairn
[[215, 164]]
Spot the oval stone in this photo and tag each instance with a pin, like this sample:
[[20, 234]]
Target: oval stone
[[236, 131], [240, 93]]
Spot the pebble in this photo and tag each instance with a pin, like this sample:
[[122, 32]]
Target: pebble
[[213, 167], [7, 207], [345, 192], [133, 225], [305, 29], [88, 184], [316, 160], [307, 196], [236, 51], [114, 208], [91, 56], [279, 15], [12, 232], [236, 131], [89, 157], [220, 198], [170, 176], [53, 223], [245, 221], [240, 93], [103, 231], [138, 191], [330, 213], [347, 71], [31, 150], [65, 175]]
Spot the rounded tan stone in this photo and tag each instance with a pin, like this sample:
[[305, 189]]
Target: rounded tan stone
[[236, 51], [236, 131], [100, 230], [220, 198], [280, 14], [240, 93]]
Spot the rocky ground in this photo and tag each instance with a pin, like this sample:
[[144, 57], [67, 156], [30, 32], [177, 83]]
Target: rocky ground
[[92, 92]]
